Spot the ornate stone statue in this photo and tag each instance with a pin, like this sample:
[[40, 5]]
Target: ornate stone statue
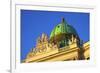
[[39, 40], [75, 39], [69, 42]]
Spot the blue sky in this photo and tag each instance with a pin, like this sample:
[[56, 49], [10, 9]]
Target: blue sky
[[34, 23]]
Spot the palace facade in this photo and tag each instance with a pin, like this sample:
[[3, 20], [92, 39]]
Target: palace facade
[[63, 44]]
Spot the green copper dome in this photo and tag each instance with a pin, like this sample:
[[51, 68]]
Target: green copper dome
[[62, 33], [63, 28]]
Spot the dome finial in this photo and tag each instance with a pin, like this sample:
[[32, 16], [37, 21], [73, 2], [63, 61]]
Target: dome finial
[[63, 20]]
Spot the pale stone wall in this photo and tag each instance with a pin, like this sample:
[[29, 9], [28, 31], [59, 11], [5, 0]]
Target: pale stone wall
[[86, 50]]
